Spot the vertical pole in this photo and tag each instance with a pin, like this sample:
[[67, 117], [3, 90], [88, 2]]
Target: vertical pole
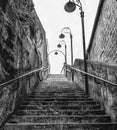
[[66, 59], [85, 62], [71, 50], [72, 55]]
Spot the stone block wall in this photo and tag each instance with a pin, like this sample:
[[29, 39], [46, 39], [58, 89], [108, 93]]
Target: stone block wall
[[103, 47], [102, 92], [102, 57], [19, 36]]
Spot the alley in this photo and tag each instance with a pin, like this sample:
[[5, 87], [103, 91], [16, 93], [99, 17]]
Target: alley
[[74, 88]]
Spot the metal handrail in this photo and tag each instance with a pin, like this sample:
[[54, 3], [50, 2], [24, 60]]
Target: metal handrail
[[104, 80], [68, 70], [12, 80], [45, 69]]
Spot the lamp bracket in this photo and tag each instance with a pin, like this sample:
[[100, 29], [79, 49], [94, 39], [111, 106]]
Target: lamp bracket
[[66, 30], [79, 4]]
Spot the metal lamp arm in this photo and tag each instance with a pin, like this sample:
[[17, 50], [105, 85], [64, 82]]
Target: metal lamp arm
[[62, 42], [79, 4], [67, 29], [55, 51]]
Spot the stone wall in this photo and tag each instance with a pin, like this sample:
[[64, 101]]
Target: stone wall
[[19, 36], [102, 56], [103, 47], [102, 92], [43, 51]]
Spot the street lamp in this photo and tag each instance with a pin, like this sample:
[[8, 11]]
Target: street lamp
[[59, 46], [68, 30], [70, 7], [56, 53]]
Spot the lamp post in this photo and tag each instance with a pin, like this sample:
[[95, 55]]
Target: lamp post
[[70, 7], [68, 30], [59, 46]]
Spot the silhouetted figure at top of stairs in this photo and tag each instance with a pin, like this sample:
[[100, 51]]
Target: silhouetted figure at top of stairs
[[57, 104]]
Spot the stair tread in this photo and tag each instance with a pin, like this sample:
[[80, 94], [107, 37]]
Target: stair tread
[[67, 101], [49, 96], [63, 126], [68, 116], [63, 105], [69, 123], [61, 112], [92, 118]]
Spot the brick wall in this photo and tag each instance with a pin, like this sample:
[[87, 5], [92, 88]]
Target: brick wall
[[104, 44]]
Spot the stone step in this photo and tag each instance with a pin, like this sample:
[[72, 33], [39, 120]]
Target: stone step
[[56, 92], [59, 103], [56, 100], [64, 119], [59, 92], [53, 90], [61, 112], [61, 126], [60, 107], [59, 96]]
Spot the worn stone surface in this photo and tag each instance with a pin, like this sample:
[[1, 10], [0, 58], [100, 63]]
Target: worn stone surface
[[105, 93], [104, 49], [59, 104], [20, 34], [103, 58], [104, 45]]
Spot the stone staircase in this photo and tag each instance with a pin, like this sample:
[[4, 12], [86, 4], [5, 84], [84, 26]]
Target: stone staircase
[[59, 104]]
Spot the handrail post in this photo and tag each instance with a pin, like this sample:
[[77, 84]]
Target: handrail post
[[71, 37], [66, 59], [72, 73], [84, 51]]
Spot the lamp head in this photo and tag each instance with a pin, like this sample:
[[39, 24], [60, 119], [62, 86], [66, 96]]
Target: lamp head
[[59, 45], [70, 6], [61, 36], [56, 53]]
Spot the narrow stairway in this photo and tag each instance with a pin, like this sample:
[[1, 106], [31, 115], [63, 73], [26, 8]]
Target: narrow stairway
[[58, 104]]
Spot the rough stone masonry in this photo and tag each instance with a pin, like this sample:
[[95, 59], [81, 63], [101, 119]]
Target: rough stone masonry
[[103, 44], [19, 34]]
